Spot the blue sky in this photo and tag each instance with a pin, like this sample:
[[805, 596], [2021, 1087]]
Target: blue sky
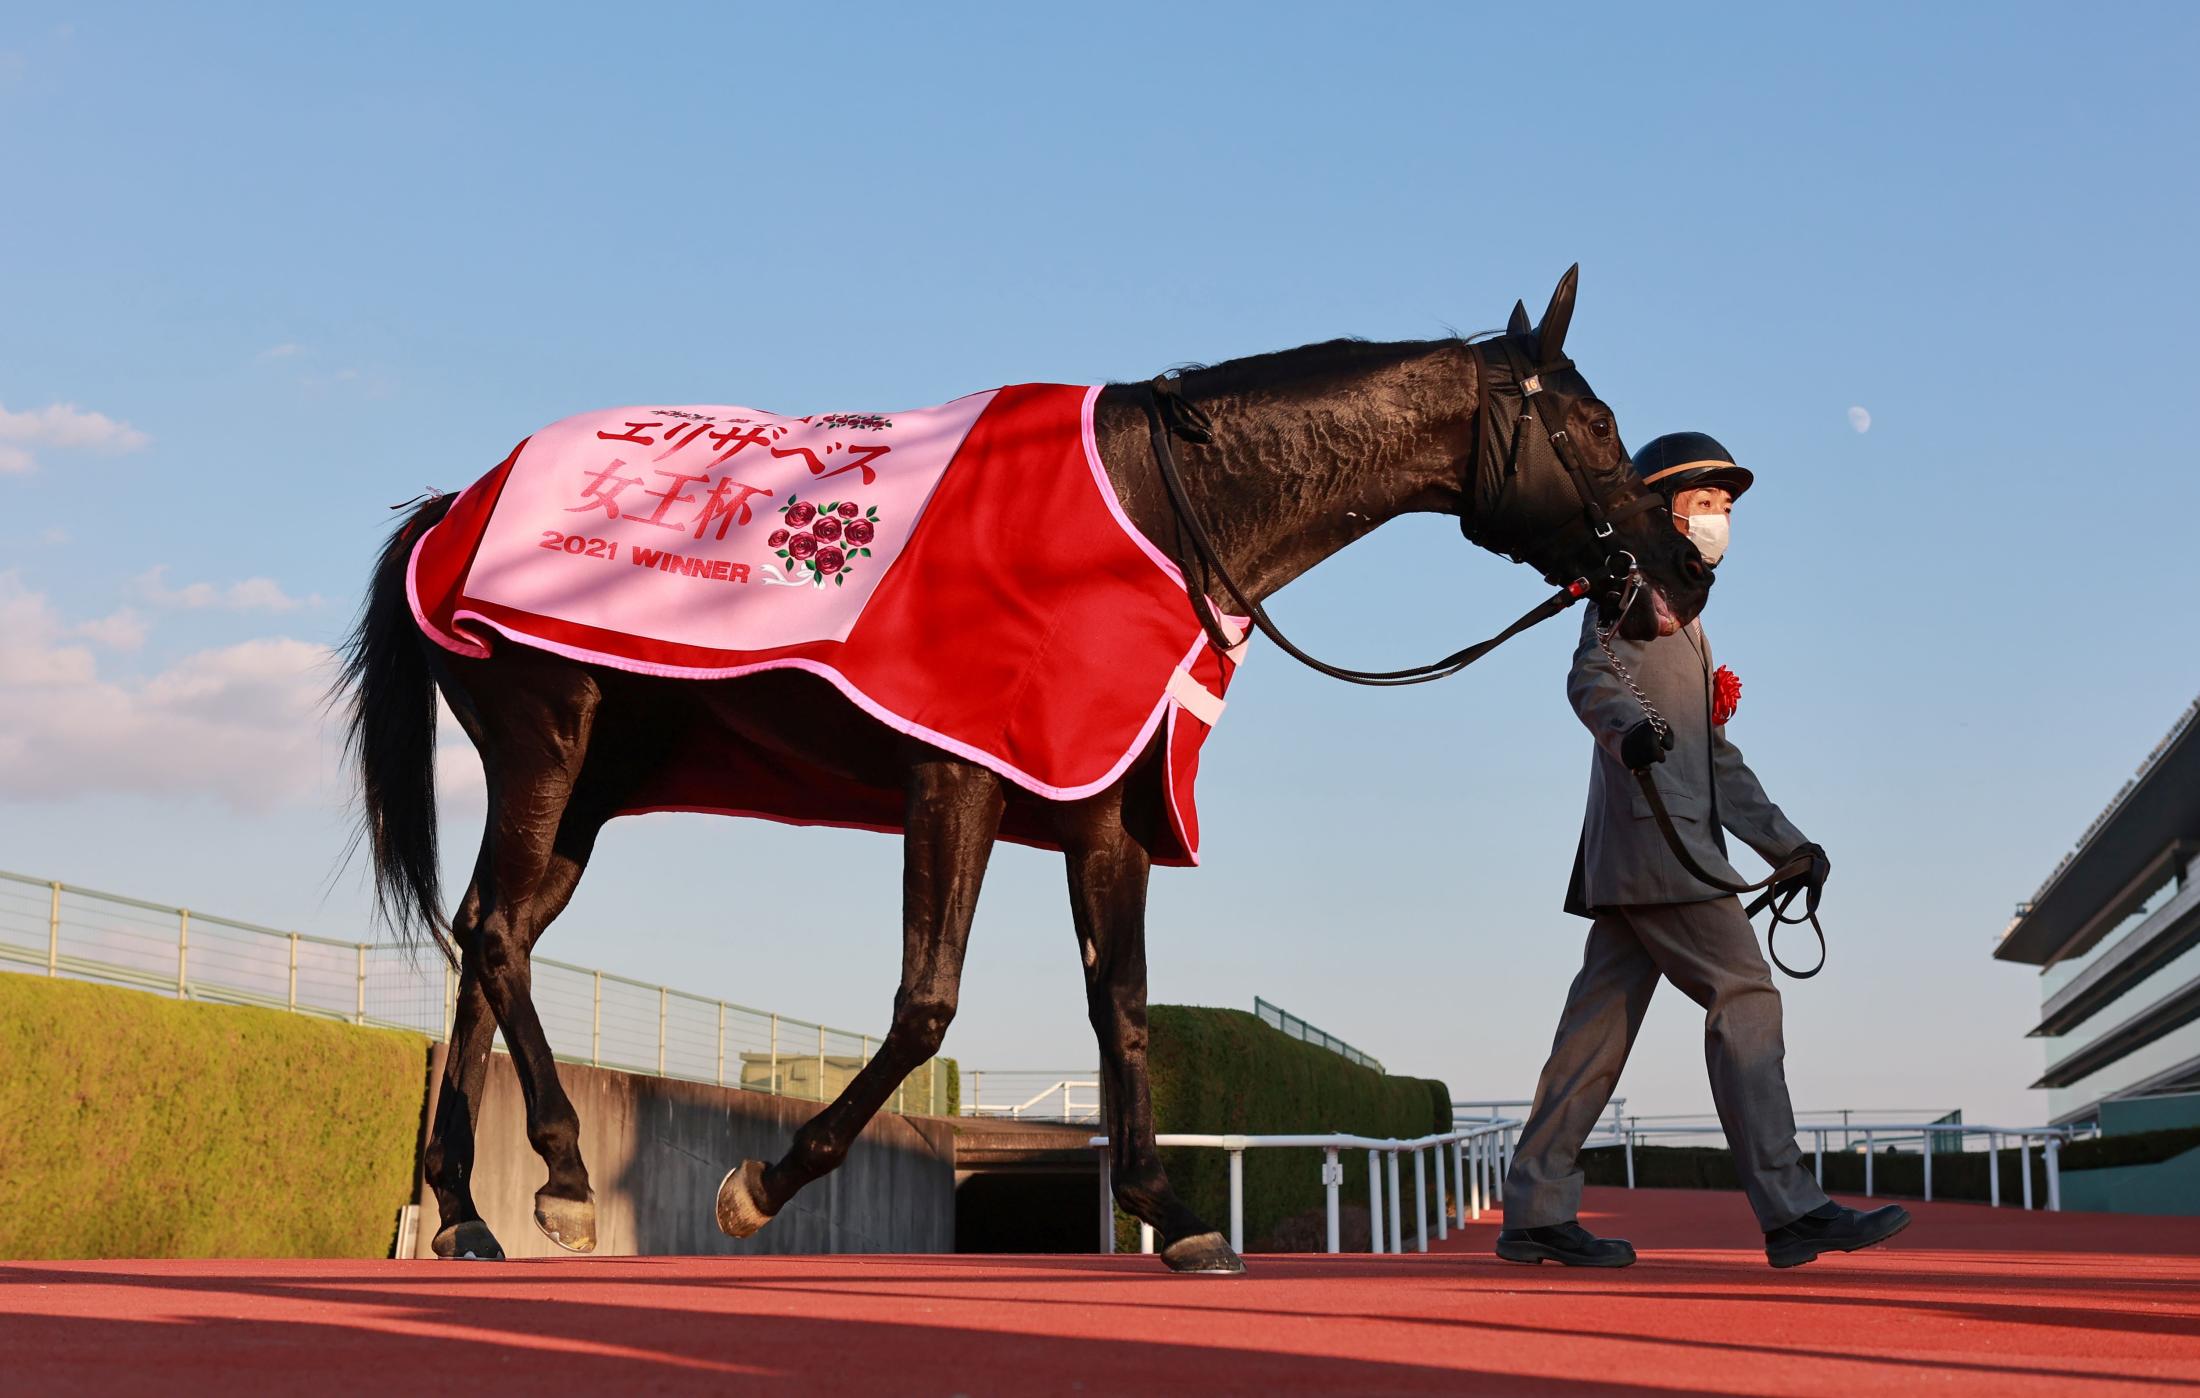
[[264, 273]]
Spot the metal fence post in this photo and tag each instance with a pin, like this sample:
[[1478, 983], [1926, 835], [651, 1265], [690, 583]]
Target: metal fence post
[[183, 953], [1390, 1184], [821, 1065], [1818, 1155], [1630, 1159], [1107, 1202], [1237, 1201], [1375, 1200], [1420, 1201], [1928, 1167], [2053, 1148], [664, 997], [595, 1022], [1443, 1209], [1332, 1181], [1993, 1169], [53, 932], [977, 1086], [359, 1010], [721, 1043], [775, 1055], [2024, 1162], [293, 973]]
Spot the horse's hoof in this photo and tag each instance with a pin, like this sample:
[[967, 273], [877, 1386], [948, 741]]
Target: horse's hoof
[[1208, 1253], [468, 1241], [570, 1223], [741, 1208]]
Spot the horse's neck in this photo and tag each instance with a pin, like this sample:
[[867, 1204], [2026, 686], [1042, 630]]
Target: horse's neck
[[1296, 473]]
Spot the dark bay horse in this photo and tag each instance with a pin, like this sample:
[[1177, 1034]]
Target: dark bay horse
[[1309, 450]]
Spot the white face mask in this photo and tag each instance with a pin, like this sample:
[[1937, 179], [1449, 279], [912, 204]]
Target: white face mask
[[1708, 532]]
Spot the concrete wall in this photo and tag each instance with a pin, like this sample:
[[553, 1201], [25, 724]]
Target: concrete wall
[[2169, 1186], [2137, 1114], [656, 1149]]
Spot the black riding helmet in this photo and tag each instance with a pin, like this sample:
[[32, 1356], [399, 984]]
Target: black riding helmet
[[1681, 461]]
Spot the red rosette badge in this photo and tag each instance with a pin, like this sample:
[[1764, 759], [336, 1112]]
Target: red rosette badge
[[1726, 696]]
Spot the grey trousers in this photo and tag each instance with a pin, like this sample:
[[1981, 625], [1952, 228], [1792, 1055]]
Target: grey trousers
[[1710, 951]]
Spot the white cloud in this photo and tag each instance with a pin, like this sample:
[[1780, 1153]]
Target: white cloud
[[241, 723], [61, 427], [123, 629], [68, 426], [1860, 420], [53, 534], [284, 350], [248, 595]]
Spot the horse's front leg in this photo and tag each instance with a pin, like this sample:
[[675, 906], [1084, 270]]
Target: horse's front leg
[[953, 812], [1108, 872]]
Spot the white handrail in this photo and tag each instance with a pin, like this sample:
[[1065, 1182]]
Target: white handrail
[[1479, 1153], [1875, 1133]]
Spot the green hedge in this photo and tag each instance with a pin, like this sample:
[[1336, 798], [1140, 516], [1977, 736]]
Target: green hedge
[[133, 1126], [2134, 1148], [1224, 1071]]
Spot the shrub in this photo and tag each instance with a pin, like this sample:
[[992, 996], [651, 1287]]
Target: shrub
[[1217, 1071], [134, 1126]]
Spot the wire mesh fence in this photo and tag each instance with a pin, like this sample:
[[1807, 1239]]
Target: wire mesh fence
[[589, 1016], [1276, 1017], [1032, 1094]]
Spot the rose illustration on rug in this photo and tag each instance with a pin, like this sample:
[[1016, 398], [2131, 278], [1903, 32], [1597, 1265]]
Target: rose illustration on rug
[[1726, 695], [821, 541]]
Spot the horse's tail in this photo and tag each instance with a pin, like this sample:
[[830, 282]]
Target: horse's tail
[[390, 736]]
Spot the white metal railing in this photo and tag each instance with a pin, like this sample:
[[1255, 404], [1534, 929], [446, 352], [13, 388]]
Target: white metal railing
[[594, 1017], [1610, 1129], [1897, 1127], [1277, 1017], [1475, 1158], [1897, 1133], [1058, 1097]]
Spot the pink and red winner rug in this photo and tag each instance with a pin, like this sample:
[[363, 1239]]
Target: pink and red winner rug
[[961, 573]]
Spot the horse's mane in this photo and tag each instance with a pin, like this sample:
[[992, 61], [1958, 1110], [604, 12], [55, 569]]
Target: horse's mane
[[1313, 362]]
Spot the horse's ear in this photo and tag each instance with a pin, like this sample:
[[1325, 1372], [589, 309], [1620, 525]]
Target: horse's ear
[[1518, 325], [1550, 336]]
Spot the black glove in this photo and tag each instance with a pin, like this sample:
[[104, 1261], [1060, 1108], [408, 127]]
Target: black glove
[[1814, 877], [1642, 748]]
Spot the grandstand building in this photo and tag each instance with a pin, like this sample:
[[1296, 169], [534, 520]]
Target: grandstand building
[[2116, 931]]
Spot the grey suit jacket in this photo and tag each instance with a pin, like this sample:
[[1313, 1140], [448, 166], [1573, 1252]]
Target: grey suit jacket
[[1622, 858]]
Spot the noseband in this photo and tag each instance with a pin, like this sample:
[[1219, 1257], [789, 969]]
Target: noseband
[[1169, 414]]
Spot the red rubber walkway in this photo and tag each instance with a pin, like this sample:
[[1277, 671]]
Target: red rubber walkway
[[1968, 1301]]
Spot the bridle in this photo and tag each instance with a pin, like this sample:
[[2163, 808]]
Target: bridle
[[1169, 414]]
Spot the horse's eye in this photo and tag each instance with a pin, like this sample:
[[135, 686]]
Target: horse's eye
[[1602, 427]]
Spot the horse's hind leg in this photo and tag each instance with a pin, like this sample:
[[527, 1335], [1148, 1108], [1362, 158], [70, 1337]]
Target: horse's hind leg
[[449, 1160], [1108, 872], [954, 810], [533, 730]]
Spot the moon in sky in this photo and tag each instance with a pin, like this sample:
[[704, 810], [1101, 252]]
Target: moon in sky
[[1860, 420]]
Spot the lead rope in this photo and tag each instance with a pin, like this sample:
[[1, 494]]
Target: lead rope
[[1781, 886]]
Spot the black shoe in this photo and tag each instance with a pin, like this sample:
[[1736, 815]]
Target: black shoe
[[1832, 1228], [1566, 1242]]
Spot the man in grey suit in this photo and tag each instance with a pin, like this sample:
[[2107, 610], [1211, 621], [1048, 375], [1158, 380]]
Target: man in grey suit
[[1653, 918]]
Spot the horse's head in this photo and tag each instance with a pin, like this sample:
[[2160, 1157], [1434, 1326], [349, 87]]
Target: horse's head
[[1552, 485]]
